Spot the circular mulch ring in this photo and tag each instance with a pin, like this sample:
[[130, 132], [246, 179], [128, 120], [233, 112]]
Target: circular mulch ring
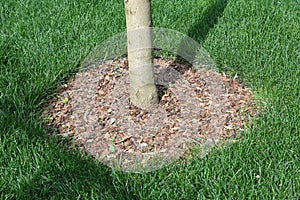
[[197, 106]]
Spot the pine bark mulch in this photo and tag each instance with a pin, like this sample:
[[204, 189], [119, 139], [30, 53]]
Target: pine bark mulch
[[196, 107]]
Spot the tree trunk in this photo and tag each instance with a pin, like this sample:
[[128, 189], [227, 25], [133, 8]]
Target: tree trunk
[[143, 92]]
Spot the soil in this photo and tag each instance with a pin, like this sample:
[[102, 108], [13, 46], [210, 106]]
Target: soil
[[196, 107]]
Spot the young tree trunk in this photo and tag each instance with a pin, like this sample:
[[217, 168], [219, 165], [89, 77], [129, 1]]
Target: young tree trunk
[[143, 92]]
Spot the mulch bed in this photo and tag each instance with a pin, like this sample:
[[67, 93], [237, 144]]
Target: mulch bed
[[196, 107]]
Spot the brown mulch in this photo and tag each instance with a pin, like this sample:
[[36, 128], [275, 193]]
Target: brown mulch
[[197, 106]]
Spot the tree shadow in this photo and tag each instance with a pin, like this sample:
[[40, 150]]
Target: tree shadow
[[61, 172], [200, 30]]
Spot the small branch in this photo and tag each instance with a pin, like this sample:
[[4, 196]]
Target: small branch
[[123, 139]]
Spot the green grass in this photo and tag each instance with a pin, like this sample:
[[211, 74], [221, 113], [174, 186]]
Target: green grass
[[42, 43]]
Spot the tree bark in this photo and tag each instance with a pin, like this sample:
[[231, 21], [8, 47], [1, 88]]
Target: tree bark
[[143, 92]]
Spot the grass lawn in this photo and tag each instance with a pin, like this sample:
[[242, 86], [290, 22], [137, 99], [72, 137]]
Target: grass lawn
[[42, 43]]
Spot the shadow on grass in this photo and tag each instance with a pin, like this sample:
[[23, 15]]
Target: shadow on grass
[[200, 30], [58, 172]]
